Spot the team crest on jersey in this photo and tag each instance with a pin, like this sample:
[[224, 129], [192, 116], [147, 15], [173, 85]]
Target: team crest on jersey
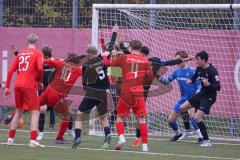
[[217, 78]]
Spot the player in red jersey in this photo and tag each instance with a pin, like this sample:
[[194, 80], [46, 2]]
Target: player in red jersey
[[136, 73], [29, 66], [66, 74]]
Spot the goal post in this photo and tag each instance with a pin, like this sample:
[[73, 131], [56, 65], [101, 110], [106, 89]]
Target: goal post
[[168, 28]]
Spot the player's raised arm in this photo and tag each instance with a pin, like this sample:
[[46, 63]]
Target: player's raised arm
[[102, 41], [14, 50], [113, 38], [53, 63]]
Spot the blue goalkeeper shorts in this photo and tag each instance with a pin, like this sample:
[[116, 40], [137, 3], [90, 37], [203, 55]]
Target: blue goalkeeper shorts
[[177, 106]]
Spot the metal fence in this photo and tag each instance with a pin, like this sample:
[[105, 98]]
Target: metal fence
[[64, 13]]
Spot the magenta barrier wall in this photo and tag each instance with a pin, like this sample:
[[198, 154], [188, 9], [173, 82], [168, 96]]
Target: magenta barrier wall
[[223, 48]]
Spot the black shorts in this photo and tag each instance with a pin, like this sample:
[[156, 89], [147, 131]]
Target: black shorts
[[94, 98], [203, 102]]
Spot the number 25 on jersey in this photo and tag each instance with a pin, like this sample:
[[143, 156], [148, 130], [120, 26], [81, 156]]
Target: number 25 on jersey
[[23, 63]]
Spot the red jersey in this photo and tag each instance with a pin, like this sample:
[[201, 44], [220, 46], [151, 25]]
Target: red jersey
[[65, 76], [29, 66], [136, 71]]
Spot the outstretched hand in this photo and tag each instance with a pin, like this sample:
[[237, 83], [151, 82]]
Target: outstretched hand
[[188, 59], [119, 38], [115, 28]]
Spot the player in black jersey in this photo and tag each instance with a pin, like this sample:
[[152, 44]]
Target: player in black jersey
[[203, 100], [47, 52], [95, 82]]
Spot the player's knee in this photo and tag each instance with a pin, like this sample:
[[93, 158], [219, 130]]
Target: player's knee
[[79, 116], [197, 119], [182, 108], [103, 118], [43, 109], [119, 119], [171, 118]]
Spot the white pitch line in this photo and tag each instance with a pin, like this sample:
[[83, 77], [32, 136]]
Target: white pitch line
[[154, 139], [136, 152]]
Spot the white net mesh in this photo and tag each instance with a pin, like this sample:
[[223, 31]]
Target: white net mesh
[[166, 31]]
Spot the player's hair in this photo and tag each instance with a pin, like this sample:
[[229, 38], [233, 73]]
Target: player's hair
[[202, 55], [32, 38], [73, 58], [145, 50], [47, 51], [182, 54], [136, 45], [91, 50]]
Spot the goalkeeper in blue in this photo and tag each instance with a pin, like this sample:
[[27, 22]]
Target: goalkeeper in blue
[[181, 74]]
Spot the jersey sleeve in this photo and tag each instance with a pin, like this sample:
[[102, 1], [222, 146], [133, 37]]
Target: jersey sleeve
[[106, 60], [171, 62], [197, 85], [84, 77], [149, 74], [12, 69], [102, 41], [195, 76], [215, 84], [112, 42], [53, 63], [40, 67], [169, 79], [157, 60]]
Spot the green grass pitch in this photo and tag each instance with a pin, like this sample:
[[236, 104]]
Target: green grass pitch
[[160, 148]]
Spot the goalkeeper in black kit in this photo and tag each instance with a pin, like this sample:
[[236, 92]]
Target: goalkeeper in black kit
[[203, 100]]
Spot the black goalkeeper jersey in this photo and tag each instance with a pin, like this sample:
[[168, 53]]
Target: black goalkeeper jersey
[[211, 75], [95, 74]]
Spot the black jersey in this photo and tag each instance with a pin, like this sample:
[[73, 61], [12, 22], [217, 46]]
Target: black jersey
[[95, 74], [47, 72], [211, 75]]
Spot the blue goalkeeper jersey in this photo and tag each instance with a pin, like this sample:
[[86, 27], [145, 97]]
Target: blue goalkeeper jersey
[[182, 75]]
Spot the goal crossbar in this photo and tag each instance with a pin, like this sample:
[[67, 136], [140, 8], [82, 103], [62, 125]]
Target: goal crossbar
[[166, 6]]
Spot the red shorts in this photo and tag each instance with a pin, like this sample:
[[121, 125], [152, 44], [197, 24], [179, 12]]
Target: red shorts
[[26, 98], [139, 109], [53, 99]]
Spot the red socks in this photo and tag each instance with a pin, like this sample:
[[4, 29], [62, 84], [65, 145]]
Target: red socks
[[120, 128], [33, 135], [144, 132], [62, 129], [11, 133]]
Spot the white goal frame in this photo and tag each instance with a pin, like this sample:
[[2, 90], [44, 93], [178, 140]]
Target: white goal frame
[[96, 7]]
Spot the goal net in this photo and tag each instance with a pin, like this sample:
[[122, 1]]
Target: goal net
[[166, 29]]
